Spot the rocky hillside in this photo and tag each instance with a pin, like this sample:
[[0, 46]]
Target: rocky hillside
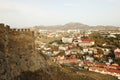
[[35, 66]]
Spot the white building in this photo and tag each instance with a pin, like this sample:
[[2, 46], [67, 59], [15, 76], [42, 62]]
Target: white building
[[67, 40]]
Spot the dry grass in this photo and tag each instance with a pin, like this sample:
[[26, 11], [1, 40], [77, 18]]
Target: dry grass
[[63, 73]]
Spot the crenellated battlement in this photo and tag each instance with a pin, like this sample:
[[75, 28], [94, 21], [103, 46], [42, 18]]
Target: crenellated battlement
[[21, 30], [4, 26], [14, 39]]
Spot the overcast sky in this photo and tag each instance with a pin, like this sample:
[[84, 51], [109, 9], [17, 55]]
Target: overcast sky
[[25, 13]]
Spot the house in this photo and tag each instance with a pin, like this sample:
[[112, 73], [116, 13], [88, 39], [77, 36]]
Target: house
[[113, 72], [88, 63], [85, 50], [67, 59], [117, 53], [89, 58], [48, 53], [55, 44], [110, 60], [81, 64], [95, 51], [67, 40], [67, 52], [61, 57], [117, 50], [56, 52], [71, 46], [90, 52], [100, 65], [63, 47], [97, 69], [75, 50], [112, 35], [84, 42], [106, 51], [98, 55], [47, 49], [72, 57], [113, 67]]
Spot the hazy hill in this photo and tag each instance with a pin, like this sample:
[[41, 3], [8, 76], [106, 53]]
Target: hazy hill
[[75, 26]]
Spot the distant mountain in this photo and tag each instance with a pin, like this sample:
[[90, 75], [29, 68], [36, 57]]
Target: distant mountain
[[75, 26]]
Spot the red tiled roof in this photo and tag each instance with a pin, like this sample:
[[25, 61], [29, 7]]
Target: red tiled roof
[[117, 53], [100, 65], [97, 68], [113, 71], [117, 50], [93, 68], [88, 63], [87, 40], [114, 67], [102, 69], [67, 50], [72, 57], [84, 40]]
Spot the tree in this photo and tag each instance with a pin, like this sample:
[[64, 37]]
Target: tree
[[98, 38], [113, 41], [100, 51]]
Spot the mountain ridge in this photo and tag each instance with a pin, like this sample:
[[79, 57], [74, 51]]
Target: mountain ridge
[[75, 25]]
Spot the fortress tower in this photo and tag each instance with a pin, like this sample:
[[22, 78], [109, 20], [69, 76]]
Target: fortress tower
[[16, 40]]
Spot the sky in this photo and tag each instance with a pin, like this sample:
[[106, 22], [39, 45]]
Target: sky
[[27, 13]]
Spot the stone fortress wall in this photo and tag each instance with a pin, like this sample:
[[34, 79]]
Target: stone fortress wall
[[15, 39], [16, 51], [4, 38]]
